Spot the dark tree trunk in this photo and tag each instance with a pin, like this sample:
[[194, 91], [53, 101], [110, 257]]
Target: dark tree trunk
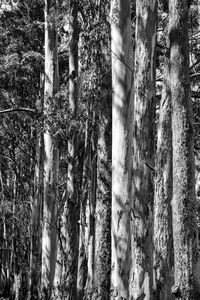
[[184, 202]]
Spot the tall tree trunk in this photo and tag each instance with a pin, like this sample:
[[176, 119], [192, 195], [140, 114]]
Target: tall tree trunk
[[186, 263], [144, 102], [102, 265], [163, 241], [36, 229], [71, 208], [91, 212], [122, 81], [49, 236], [82, 259], [37, 203], [103, 201]]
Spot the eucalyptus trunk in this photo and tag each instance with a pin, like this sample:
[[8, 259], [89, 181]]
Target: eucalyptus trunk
[[122, 82], [102, 264], [90, 216], [37, 203], [163, 240], [141, 277], [186, 263], [82, 258], [71, 207], [49, 232]]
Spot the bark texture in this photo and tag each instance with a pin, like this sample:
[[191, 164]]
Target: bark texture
[[82, 260], [103, 201], [71, 208], [49, 235], [141, 276], [36, 224], [122, 81], [163, 241], [183, 202]]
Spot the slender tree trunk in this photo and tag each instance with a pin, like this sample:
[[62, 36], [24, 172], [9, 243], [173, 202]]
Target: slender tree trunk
[[82, 260], [37, 201], [71, 208], [186, 264], [103, 201], [15, 258], [49, 236], [5, 251], [141, 279], [36, 228], [102, 263], [122, 81], [163, 241], [91, 213]]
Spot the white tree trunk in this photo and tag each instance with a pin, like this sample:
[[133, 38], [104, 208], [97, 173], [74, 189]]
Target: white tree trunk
[[49, 236], [122, 82]]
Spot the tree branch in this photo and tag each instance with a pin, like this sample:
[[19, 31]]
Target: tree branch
[[194, 64], [10, 110], [194, 75]]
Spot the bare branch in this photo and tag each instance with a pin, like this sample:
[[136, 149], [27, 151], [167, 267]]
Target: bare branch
[[10, 110]]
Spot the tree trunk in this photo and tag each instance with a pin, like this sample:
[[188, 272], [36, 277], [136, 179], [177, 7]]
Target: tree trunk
[[103, 201], [49, 236], [71, 208], [163, 241], [82, 259], [141, 279], [122, 81], [102, 265], [91, 213], [37, 200], [186, 265]]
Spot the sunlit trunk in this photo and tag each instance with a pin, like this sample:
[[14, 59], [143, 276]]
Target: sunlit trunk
[[122, 81], [49, 235]]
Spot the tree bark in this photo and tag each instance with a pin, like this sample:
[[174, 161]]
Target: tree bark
[[186, 264], [82, 259], [71, 208], [49, 236], [163, 240], [103, 201], [37, 203], [122, 81], [141, 276], [91, 213]]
